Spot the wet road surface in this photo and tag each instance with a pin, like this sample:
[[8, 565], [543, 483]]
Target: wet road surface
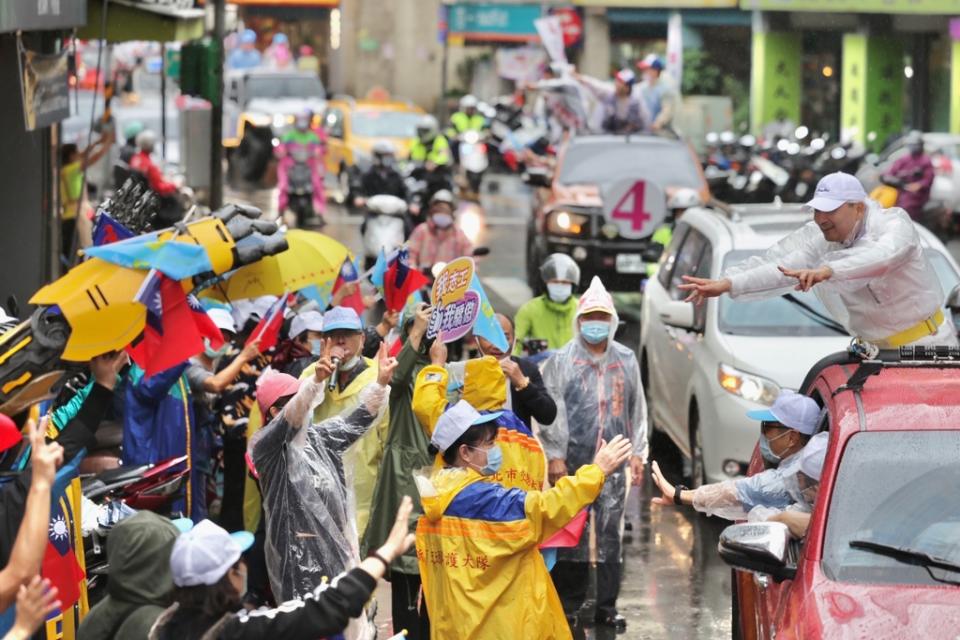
[[675, 586]]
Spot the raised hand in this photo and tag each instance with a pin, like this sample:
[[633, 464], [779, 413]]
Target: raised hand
[[35, 601], [612, 454], [45, 458], [106, 366], [702, 288], [421, 319], [806, 278], [400, 539], [438, 353], [385, 365], [251, 351], [667, 489], [325, 366]]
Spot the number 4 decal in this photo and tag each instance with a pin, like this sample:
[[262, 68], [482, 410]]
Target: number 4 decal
[[636, 215]]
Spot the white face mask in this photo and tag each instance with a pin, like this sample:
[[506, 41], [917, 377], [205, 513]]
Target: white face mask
[[559, 291], [350, 364]]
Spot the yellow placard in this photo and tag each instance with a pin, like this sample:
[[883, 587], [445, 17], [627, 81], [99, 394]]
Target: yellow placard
[[452, 282]]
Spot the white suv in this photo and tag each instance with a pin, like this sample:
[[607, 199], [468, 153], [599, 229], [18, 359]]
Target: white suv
[[704, 367]]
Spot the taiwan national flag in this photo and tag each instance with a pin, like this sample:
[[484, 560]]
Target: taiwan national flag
[[268, 329], [60, 564], [350, 274], [175, 326], [400, 282]]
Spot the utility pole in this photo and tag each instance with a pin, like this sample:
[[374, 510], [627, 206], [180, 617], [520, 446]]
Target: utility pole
[[216, 109]]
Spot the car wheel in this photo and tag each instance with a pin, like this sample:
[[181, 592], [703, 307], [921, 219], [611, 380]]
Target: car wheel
[[697, 467]]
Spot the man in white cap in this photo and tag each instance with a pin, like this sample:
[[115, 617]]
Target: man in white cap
[[785, 429], [304, 346], [865, 263], [595, 382]]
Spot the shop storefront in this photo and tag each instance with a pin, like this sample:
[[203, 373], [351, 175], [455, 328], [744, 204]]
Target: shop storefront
[[866, 69]]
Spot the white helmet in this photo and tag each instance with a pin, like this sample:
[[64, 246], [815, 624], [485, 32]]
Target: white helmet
[[560, 266], [427, 128], [146, 140], [384, 148], [469, 101], [684, 199]]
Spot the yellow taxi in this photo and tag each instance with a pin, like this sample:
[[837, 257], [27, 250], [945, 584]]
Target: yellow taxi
[[353, 126]]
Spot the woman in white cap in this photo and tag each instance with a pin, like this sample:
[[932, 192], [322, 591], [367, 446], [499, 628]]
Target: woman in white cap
[[865, 263], [210, 576], [784, 430], [478, 542]]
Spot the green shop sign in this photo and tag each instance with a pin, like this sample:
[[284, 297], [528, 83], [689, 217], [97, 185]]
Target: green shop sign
[[951, 7]]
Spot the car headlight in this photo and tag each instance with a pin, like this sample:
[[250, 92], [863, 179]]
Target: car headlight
[[567, 223], [747, 386]]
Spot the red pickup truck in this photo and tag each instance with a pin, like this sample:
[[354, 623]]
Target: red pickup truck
[[881, 558]]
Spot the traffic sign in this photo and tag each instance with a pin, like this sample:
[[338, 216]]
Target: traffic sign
[[636, 207]]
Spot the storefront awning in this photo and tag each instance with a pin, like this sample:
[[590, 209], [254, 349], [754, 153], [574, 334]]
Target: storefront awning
[[132, 20], [489, 22], [930, 7], [691, 17]]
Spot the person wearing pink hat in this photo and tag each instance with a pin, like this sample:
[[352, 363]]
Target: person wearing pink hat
[[596, 384], [310, 532], [866, 264]]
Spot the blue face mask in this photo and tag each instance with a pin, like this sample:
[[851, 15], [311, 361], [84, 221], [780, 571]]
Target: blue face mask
[[595, 331], [316, 347], [494, 460], [213, 354], [766, 452]]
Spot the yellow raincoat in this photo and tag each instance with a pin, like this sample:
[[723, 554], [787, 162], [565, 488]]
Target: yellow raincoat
[[364, 457], [477, 546], [485, 388]]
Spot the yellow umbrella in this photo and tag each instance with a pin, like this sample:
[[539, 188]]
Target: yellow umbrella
[[311, 259]]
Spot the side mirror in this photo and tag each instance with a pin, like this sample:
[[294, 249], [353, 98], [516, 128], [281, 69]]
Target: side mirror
[[953, 299], [653, 252], [537, 177], [677, 313], [481, 251], [759, 547]]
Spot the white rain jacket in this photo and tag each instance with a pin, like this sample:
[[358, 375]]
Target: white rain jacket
[[882, 282], [596, 396]]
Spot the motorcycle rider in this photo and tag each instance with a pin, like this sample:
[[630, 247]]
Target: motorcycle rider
[[915, 173], [464, 120], [382, 178], [438, 239], [550, 316], [301, 135], [430, 152], [130, 133]]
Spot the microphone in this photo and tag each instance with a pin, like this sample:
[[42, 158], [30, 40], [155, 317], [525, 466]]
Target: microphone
[[332, 384]]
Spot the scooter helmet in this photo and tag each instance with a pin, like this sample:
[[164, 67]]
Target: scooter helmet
[[248, 36], [684, 199], [469, 101], [132, 129], [302, 120], [427, 128], [10, 435], [383, 148], [146, 140], [560, 266], [443, 196]]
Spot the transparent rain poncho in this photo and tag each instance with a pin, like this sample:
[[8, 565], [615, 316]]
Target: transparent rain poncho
[[597, 397], [311, 531], [882, 282], [734, 499]]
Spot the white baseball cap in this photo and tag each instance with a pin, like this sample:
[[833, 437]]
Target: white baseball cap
[[835, 190], [793, 410], [455, 421], [306, 321], [203, 555], [223, 319], [813, 455]]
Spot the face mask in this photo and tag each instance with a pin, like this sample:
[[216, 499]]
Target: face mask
[[595, 331], [442, 220], [316, 347], [766, 451], [350, 364], [559, 291], [494, 460], [211, 353], [854, 233]]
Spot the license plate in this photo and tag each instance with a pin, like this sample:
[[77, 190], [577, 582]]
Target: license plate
[[630, 263]]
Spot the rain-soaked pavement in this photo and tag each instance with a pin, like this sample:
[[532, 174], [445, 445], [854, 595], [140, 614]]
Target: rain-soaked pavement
[[675, 586]]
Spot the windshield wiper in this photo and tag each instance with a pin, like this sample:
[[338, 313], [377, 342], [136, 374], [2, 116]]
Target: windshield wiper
[[911, 556], [816, 316]]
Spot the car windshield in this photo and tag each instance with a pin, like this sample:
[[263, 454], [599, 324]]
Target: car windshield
[[385, 124], [283, 87], [910, 506], [598, 163], [780, 317]]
